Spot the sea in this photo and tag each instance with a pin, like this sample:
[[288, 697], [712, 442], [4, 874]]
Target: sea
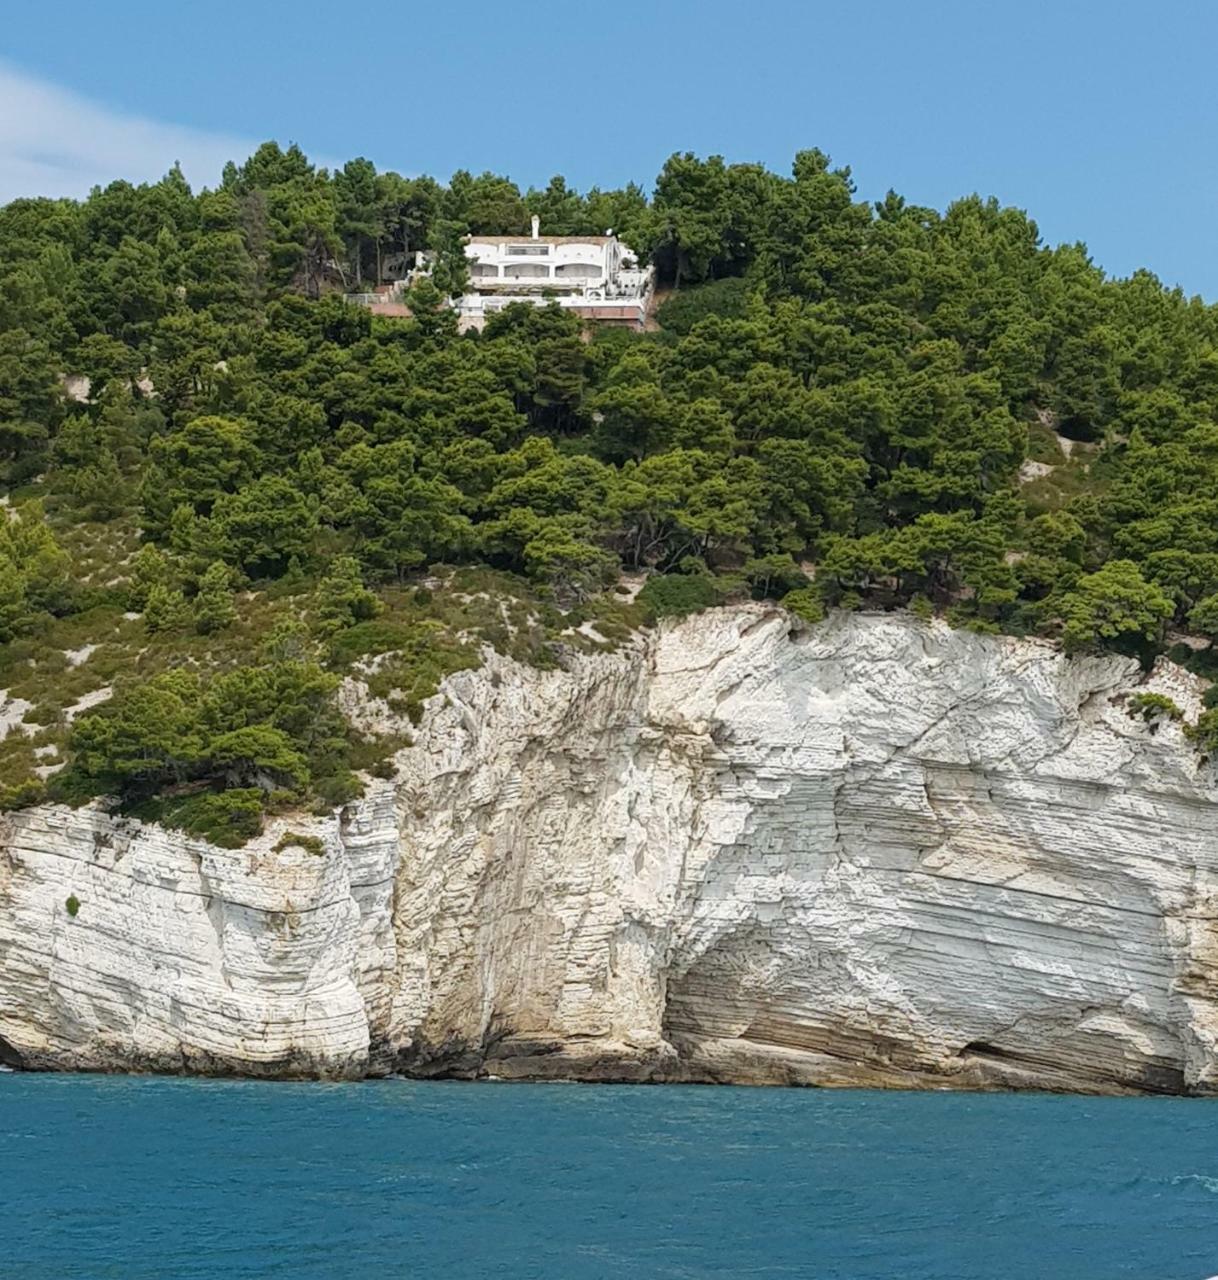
[[142, 1178]]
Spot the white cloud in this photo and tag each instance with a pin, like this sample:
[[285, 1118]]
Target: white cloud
[[57, 143]]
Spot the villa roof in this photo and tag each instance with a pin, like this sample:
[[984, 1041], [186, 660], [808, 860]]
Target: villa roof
[[524, 238]]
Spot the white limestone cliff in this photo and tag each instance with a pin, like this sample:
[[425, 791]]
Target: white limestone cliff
[[874, 851]]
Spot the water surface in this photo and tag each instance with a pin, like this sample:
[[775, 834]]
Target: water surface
[[161, 1179]]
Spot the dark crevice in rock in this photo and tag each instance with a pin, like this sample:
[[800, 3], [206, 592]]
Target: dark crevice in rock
[[9, 1057], [982, 1049], [1146, 1077]]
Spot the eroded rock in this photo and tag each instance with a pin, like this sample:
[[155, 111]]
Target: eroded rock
[[876, 851]]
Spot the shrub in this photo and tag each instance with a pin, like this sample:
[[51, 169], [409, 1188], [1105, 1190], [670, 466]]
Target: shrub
[[673, 595], [149, 568], [22, 795], [258, 751], [342, 598], [805, 604], [34, 570], [72, 905], [380, 636], [1115, 605], [310, 844], [417, 666], [1204, 733], [166, 609], [962, 618], [263, 525], [337, 790], [1204, 617], [213, 607], [227, 818], [1153, 706]]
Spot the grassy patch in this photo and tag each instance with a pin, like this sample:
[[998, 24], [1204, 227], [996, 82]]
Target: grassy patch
[[1088, 471], [1043, 445]]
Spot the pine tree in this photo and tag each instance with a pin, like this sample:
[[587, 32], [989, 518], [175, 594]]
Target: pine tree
[[213, 607]]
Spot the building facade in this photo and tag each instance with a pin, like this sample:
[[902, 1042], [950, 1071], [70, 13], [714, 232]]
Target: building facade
[[597, 277]]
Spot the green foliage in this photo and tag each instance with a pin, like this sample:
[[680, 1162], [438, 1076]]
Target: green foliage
[[253, 731], [775, 575], [34, 571], [835, 381], [262, 526], [1205, 732], [1204, 616], [418, 660], [151, 735], [849, 387], [342, 598], [805, 604], [257, 754], [310, 844], [724, 298], [212, 607], [674, 595], [227, 818], [22, 795], [72, 905], [149, 568], [166, 609], [1115, 604], [1153, 706]]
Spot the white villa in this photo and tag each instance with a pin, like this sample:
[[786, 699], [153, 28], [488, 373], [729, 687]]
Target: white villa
[[597, 277]]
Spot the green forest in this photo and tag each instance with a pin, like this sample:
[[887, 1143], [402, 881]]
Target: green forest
[[263, 487]]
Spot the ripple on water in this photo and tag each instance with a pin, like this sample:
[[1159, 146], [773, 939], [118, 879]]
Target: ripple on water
[[150, 1178]]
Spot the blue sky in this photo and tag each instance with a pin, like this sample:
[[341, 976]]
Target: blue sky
[[1098, 118]]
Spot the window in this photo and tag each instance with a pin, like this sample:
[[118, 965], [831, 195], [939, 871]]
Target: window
[[526, 270], [581, 270], [484, 269], [533, 250]]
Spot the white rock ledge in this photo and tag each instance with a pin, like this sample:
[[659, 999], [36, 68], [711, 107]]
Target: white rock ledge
[[875, 851]]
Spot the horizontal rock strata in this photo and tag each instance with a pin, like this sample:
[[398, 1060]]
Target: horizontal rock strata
[[875, 851]]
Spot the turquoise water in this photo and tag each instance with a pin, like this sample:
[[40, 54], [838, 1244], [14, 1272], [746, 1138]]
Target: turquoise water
[[138, 1179]]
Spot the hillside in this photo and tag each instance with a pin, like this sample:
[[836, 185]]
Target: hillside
[[229, 489]]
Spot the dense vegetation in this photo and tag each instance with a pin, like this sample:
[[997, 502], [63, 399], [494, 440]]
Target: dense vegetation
[[842, 405]]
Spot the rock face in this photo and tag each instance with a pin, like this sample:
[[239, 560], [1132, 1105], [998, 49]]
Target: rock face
[[874, 851]]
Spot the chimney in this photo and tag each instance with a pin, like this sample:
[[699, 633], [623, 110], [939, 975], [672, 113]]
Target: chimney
[[536, 226]]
